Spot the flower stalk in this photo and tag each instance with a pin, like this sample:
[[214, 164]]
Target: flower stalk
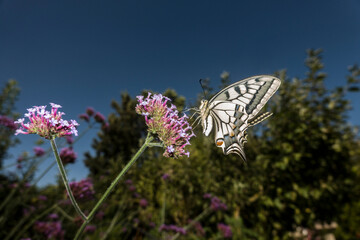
[[65, 180], [146, 144]]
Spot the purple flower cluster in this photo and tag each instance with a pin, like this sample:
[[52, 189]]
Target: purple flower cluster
[[165, 177], [90, 112], [67, 155], [90, 229], [130, 185], [143, 203], [46, 124], [225, 230], [39, 151], [7, 122], [216, 203], [51, 230], [83, 190], [172, 228], [174, 131]]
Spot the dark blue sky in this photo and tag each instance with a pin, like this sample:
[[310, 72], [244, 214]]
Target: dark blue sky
[[85, 53]]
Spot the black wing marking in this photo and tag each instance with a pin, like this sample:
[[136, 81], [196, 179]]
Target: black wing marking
[[234, 109], [251, 93]]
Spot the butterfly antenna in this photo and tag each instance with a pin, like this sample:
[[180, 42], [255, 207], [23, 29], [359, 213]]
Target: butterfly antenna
[[189, 109], [196, 122], [202, 88]]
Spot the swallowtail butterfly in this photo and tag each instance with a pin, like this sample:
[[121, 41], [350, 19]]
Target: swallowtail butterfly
[[234, 109]]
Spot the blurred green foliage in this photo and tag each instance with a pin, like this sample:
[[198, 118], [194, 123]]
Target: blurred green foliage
[[8, 97], [303, 170]]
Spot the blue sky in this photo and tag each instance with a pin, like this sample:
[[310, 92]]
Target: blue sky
[[85, 53]]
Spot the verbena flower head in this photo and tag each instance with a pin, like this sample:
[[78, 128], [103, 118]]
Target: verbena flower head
[[164, 121], [7, 122], [143, 203], [39, 151], [173, 228], [67, 155], [51, 230], [46, 124], [83, 190], [216, 203], [225, 230]]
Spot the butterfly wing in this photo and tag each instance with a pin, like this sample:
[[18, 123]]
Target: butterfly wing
[[231, 110]]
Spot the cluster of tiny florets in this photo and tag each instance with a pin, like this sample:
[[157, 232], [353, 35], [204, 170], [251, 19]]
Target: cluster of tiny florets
[[216, 203], [83, 190], [46, 124], [67, 155], [164, 121]]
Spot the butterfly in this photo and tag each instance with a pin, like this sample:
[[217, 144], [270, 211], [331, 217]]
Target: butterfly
[[234, 109]]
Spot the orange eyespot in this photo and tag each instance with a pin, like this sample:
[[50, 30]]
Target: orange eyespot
[[219, 143], [232, 134]]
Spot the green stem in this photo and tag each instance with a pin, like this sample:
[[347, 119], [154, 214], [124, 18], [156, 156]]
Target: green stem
[[113, 185], [112, 224], [64, 178], [60, 210]]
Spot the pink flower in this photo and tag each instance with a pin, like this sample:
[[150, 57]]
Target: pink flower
[[143, 203], [51, 230], [46, 124], [225, 230], [7, 122], [165, 177], [67, 155], [99, 118], [84, 117], [90, 111], [83, 190], [164, 121], [39, 151]]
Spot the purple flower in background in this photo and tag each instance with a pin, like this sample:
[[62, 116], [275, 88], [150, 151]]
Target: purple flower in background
[[90, 111], [84, 117], [99, 118], [216, 204], [143, 203], [42, 198], [172, 228], [53, 216], [39, 151], [69, 139], [46, 124], [173, 131], [100, 215], [90, 229], [132, 188], [20, 159], [136, 195], [199, 229], [7, 122], [225, 230], [83, 190], [207, 196], [51, 230], [165, 177], [129, 182], [67, 155]]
